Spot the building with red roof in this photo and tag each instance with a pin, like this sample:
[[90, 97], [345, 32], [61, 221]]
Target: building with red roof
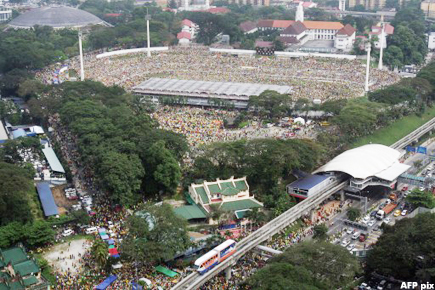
[[377, 31], [184, 37], [345, 38], [248, 27]]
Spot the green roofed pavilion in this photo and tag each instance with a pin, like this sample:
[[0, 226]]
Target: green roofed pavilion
[[201, 191], [16, 286], [13, 255], [214, 188], [190, 212], [241, 185], [3, 286], [26, 268], [30, 281], [240, 205]]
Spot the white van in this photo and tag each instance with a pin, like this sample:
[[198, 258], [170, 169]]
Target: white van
[[356, 235], [92, 230]]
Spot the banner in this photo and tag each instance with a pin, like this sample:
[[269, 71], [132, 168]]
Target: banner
[[410, 149], [422, 150]]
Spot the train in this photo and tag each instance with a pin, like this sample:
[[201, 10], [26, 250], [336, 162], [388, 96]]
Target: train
[[207, 261]]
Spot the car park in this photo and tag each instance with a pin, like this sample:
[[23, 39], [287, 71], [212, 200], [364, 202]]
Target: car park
[[404, 212], [397, 212]]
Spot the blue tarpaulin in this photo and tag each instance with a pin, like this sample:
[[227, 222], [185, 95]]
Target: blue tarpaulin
[[47, 199], [110, 241], [106, 283], [135, 286]]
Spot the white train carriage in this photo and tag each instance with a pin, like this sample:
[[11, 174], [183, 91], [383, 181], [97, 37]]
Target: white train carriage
[[215, 256]]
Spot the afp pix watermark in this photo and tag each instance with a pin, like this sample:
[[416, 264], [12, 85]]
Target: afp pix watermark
[[414, 285]]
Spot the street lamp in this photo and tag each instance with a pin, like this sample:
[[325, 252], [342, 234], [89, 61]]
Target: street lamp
[[368, 48], [148, 18], [380, 65]]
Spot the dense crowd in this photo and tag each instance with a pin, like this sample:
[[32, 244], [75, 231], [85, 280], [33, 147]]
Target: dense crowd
[[204, 126], [312, 78]]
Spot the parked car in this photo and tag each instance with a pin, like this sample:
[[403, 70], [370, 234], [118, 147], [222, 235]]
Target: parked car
[[345, 243], [404, 212], [67, 232], [349, 230], [371, 223], [350, 247], [387, 220], [397, 212]]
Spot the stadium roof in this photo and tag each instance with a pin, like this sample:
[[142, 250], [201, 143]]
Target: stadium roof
[[158, 85], [369, 160], [53, 160], [47, 199], [308, 182], [56, 17]]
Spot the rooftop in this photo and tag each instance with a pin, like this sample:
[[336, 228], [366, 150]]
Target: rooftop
[[56, 17], [209, 88], [47, 200], [13, 255], [53, 160], [295, 29], [248, 203], [27, 267], [247, 26], [308, 182], [189, 212]]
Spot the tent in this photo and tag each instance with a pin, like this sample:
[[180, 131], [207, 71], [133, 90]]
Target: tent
[[111, 247], [102, 230], [110, 241], [166, 271], [299, 120], [105, 237], [116, 256], [135, 286], [106, 283]]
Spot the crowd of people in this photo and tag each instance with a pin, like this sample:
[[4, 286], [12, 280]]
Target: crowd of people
[[204, 126], [311, 78]]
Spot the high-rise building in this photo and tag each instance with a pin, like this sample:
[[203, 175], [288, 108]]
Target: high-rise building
[[5, 14], [370, 4], [428, 8]]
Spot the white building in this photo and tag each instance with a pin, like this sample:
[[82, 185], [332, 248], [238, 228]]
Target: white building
[[377, 31], [184, 37], [345, 38], [5, 14], [431, 41], [368, 165], [190, 27]]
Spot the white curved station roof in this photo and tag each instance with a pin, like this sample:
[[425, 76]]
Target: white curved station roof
[[369, 160]]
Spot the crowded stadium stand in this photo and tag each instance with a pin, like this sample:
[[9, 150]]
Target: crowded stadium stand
[[47, 200], [368, 165], [202, 93]]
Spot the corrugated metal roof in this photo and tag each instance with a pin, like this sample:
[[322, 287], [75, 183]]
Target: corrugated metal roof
[[210, 88], [308, 182], [47, 199], [53, 160], [189, 212], [240, 204]]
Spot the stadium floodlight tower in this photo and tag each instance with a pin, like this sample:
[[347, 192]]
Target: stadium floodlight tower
[[148, 18], [381, 41], [368, 48], [82, 68]]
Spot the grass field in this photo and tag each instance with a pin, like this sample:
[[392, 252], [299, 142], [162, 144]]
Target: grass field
[[397, 130]]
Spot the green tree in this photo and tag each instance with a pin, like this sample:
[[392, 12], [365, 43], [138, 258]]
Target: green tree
[[11, 233], [393, 57], [100, 252], [421, 198], [81, 217], [164, 170], [39, 233], [121, 174], [309, 265], [16, 187], [353, 213], [155, 234], [320, 232], [409, 248], [271, 104]]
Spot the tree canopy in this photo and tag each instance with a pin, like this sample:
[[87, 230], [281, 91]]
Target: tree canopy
[[405, 251], [155, 234], [308, 265]]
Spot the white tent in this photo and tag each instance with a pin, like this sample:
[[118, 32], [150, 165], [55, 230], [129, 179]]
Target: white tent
[[299, 120]]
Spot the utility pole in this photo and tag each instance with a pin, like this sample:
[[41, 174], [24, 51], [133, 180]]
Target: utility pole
[[368, 48], [82, 68], [148, 18], [380, 65]]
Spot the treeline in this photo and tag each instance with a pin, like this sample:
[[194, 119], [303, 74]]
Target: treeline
[[267, 163], [127, 153]]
